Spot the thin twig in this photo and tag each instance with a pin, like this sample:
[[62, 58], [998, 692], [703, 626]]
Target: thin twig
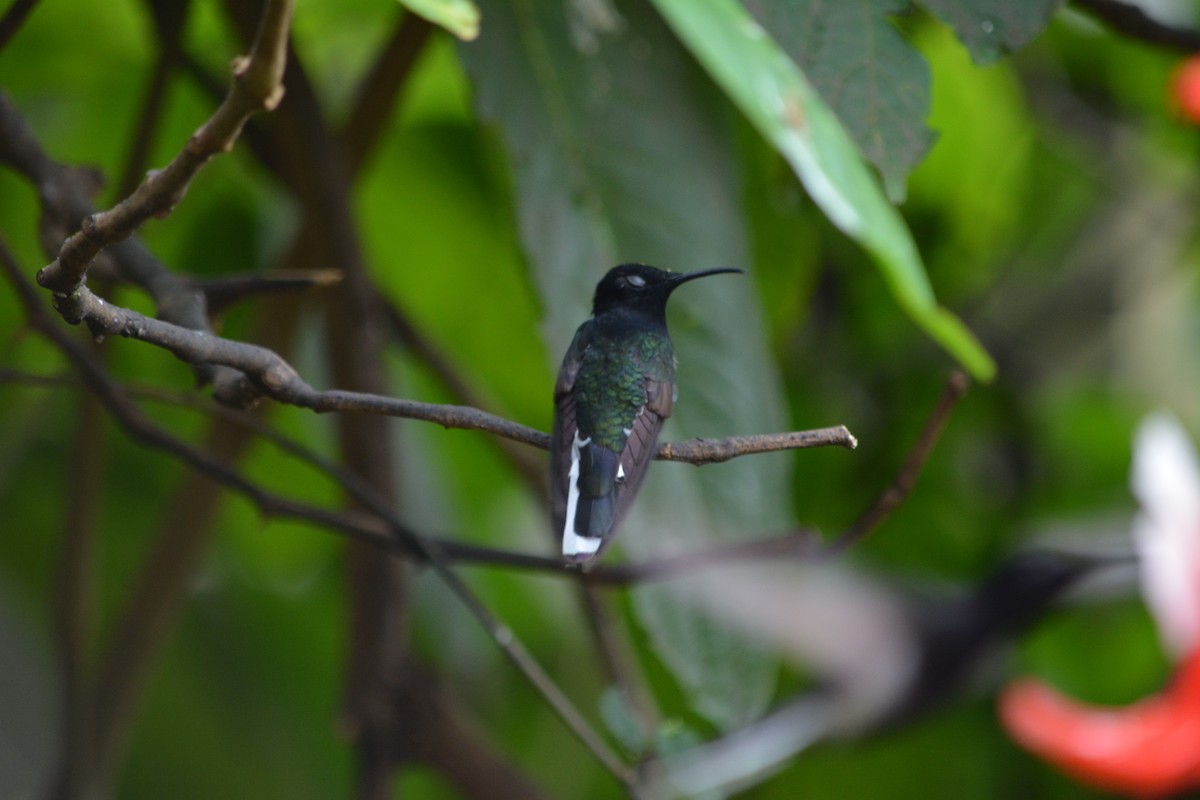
[[436, 732], [895, 494], [225, 290], [257, 86], [713, 451], [209, 84], [1130, 20], [545, 685]]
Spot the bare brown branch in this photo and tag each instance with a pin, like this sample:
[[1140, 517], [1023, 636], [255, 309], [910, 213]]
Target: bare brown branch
[[256, 87], [714, 451], [278, 380]]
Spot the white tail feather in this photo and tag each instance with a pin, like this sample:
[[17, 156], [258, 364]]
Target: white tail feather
[[574, 545]]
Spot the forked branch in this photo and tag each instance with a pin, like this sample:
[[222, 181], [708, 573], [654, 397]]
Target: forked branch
[[257, 86]]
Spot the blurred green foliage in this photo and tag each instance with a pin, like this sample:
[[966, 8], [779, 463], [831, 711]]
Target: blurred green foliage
[[1055, 212]]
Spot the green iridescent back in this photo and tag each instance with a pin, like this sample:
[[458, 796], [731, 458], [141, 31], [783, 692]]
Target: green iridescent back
[[611, 386]]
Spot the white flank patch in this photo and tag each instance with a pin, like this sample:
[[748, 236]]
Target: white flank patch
[[620, 473], [575, 545]]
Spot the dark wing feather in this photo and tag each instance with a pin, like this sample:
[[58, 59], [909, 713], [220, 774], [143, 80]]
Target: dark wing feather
[[643, 442]]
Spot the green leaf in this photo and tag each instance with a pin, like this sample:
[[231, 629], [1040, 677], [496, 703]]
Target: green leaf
[[991, 29], [779, 101], [620, 153], [872, 78], [460, 17]]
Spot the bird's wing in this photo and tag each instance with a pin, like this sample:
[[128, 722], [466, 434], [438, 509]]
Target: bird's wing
[[643, 440]]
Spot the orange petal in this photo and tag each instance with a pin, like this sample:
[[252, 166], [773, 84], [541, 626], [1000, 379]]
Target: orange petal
[[1149, 749]]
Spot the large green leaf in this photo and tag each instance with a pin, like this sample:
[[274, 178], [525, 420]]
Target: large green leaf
[[619, 154], [992, 29], [460, 17], [875, 81], [780, 102]]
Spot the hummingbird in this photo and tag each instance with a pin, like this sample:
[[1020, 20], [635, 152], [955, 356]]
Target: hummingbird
[[923, 651], [615, 388]]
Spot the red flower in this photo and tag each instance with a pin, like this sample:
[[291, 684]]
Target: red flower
[[1148, 749], [1152, 747], [1185, 89]]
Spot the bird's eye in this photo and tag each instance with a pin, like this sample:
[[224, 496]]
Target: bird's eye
[[636, 281]]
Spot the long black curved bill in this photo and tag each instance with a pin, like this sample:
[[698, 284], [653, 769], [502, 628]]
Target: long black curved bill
[[682, 278]]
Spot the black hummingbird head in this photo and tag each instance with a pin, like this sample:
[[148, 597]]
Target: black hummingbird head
[[641, 288], [1024, 587]]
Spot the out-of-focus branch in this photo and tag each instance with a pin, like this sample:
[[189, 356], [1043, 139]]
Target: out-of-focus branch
[[438, 734], [1130, 20], [168, 17], [257, 86], [75, 598], [378, 609], [375, 99], [154, 598], [803, 543], [895, 494], [13, 18]]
